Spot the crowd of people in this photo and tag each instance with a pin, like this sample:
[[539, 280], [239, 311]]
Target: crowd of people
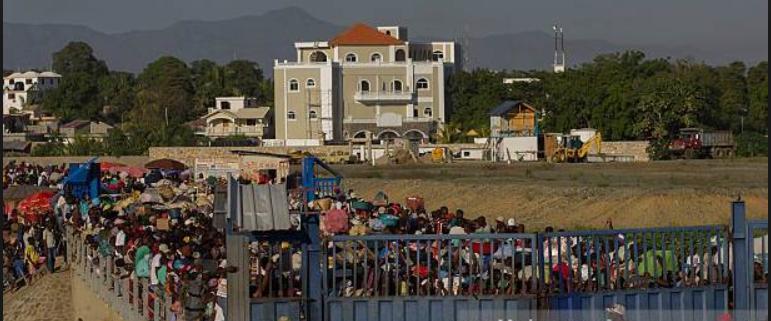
[[158, 226], [477, 261], [22, 173]]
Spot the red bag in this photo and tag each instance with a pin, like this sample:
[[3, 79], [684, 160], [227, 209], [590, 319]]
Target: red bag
[[336, 221], [415, 203]]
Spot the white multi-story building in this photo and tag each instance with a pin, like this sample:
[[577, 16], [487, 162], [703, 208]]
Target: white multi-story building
[[19, 88], [363, 81]]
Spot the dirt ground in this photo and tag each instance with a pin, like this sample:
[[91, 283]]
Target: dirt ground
[[577, 196]]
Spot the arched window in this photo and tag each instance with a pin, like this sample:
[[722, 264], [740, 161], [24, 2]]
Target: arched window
[[294, 85], [399, 55], [427, 112], [397, 86], [291, 115], [310, 83], [422, 84], [312, 115], [376, 57], [224, 105], [438, 54], [351, 57], [18, 86], [318, 56], [364, 85]]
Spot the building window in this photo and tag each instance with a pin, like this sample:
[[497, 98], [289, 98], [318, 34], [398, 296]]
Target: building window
[[28, 81], [10, 81], [466, 154], [310, 83], [422, 84], [11, 96], [225, 105], [376, 57], [438, 54], [312, 115], [351, 57], [364, 86], [427, 112], [318, 56], [291, 115], [251, 122], [294, 86], [415, 112], [400, 55], [397, 86]]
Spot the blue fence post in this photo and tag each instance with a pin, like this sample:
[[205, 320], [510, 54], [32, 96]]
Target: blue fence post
[[312, 267], [741, 277]]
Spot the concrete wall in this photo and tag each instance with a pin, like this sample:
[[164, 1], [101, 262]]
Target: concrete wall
[[627, 148], [187, 155]]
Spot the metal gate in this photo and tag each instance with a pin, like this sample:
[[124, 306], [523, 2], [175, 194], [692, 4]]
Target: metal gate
[[574, 275], [750, 259]]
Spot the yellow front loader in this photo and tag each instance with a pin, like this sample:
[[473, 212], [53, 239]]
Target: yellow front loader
[[573, 151]]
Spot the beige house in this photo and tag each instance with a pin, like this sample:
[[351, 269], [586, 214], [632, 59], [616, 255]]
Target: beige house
[[85, 128], [237, 116], [363, 80]]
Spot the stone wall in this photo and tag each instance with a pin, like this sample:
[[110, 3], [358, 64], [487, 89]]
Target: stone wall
[[187, 155], [637, 149]]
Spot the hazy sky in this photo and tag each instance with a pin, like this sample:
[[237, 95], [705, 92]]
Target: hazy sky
[[708, 24]]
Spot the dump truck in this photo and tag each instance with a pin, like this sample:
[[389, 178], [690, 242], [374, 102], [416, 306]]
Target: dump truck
[[700, 143]]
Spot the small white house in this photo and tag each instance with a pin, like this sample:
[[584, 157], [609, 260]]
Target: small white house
[[19, 88]]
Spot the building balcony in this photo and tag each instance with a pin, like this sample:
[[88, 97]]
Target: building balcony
[[250, 131], [384, 96]]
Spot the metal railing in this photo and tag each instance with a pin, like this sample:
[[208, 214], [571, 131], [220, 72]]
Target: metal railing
[[130, 297], [591, 261], [384, 95], [423, 265], [234, 130], [519, 264]]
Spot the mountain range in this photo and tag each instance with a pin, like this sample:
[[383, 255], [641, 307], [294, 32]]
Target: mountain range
[[263, 38]]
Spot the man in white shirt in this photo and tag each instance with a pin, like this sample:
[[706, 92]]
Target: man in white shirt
[[120, 239]]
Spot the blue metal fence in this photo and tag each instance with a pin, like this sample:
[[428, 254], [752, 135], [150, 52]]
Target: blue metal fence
[[684, 273], [759, 269]]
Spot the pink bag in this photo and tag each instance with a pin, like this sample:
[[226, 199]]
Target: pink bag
[[336, 221]]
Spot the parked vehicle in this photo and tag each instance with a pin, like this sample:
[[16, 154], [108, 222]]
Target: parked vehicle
[[698, 143]]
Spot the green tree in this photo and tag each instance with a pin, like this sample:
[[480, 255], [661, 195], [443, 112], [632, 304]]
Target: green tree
[[243, 78], [209, 82], [733, 100], [164, 95], [757, 113], [78, 57], [77, 95], [117, 92], [84, 146]]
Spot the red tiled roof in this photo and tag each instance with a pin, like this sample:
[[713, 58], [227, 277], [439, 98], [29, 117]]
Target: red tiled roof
[[361, 34]]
